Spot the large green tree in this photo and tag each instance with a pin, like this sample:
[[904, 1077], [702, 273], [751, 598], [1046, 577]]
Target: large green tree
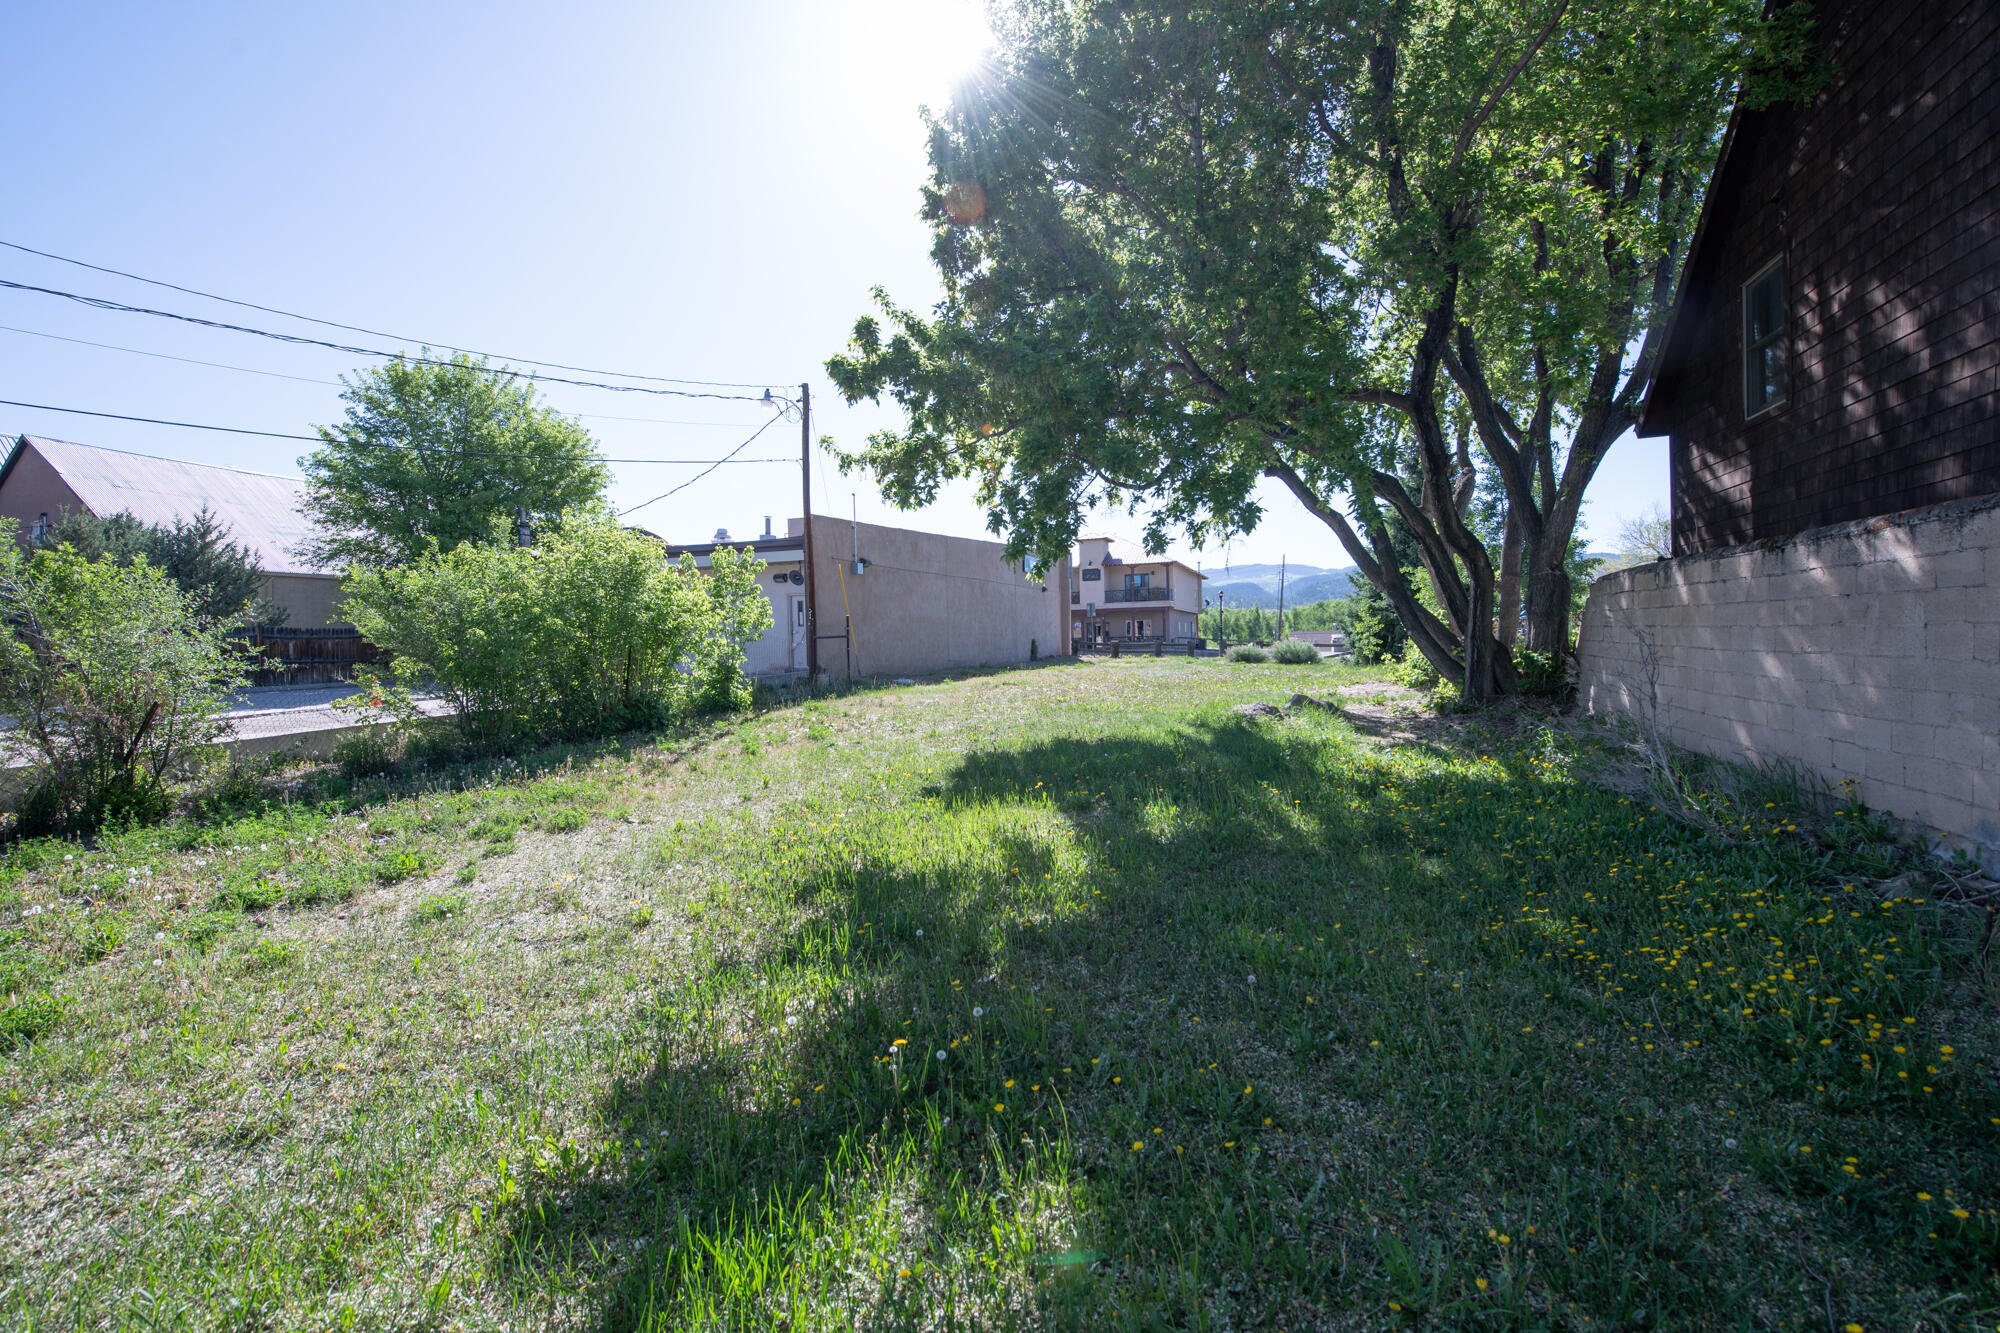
[[431, 453], [1357, 247]]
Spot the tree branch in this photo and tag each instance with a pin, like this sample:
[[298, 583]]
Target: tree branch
[[1492, 101]]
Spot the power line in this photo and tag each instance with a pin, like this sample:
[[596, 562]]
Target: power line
[[164, 356], [383, 444], [728, 457], [100, 303], [308, 379], [373, 333]]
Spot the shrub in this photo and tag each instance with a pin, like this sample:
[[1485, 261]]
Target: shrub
[[1294, 652], [1248, 652], [1414, 670], [586, 631], [1540, 673], [221, 578], [112, 679]]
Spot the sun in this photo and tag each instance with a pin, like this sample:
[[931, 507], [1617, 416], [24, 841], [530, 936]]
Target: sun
[[913, 51]]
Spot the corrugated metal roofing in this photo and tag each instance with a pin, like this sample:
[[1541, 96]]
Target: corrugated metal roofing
[[262, 511]]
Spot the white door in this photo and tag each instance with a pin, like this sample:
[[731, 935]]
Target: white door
[[797, 611]]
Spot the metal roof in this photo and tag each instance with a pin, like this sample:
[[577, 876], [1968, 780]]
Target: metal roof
[[263, 512]]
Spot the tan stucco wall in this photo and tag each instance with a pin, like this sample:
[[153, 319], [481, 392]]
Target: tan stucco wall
[[1868, 651], [929, 603], [313, 600]]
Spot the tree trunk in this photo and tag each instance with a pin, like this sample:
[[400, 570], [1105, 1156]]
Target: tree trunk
[[1510, 581]]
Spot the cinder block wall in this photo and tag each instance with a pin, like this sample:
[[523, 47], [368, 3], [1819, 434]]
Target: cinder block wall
[[1868, 650]]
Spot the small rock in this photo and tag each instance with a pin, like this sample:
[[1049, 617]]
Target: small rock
[[1258, 710], [1307, 701]]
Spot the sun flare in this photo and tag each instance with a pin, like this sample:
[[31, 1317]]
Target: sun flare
[[918, 50]]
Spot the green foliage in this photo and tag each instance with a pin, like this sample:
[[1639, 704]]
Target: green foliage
[[1540, 672], [25, 1018], [399, 866], [367, 752], [1293, 652], [588, 630], [435, 455], [1248, 652], [1414, 670], [221, 578], [1374, 634], [113, 682], [439, 907], [1186, 246]]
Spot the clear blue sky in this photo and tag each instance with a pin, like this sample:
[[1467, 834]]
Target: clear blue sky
[[671, 188]]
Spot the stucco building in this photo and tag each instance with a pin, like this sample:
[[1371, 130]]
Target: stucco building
[[1830, 386], [42, 478], [1130, 596], [891, 602]]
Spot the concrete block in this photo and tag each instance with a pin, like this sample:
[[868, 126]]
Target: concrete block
[[1950, 641], [1959, 569], [1973, 605]]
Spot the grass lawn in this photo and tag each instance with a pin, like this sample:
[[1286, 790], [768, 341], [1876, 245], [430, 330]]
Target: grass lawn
[[1054, 998]]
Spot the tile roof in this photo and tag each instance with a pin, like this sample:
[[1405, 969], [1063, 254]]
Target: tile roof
[[262, 511]]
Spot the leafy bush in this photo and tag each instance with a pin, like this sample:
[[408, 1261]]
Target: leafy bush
[[1293, 652], [1414, 670], [1540, 673], [588, 630], [1248, 652], [113, 680]]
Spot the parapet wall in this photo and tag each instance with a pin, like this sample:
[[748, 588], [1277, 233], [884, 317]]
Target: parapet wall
[[1867, 651]]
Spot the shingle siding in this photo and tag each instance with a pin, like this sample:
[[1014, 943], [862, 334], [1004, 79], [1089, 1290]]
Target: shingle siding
[[1883, 195]]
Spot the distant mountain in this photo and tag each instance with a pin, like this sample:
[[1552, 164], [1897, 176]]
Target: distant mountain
[[1302, 585]]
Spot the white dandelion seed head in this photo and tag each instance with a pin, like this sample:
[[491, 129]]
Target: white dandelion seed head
[[977, 1012], [1253, 978], [940, 1055], [791, 1020], [920, 934]]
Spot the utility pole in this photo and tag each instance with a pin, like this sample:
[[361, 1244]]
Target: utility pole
[[1279, 633], [1221, 620], [805, 479]]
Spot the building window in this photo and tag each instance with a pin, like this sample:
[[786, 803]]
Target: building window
[[40, 530], [1138, 580], [1764, 340]]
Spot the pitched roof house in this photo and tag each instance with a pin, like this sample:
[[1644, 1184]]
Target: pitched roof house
[[43, 477], [1830, 385], [1834, 351]]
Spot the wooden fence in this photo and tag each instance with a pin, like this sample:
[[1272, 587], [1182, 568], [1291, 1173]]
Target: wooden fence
[[294, 655]]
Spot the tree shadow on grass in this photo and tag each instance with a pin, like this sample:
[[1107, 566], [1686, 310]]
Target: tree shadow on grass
[[1048, 908]]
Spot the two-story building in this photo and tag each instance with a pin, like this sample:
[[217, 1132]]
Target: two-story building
[[1131, 597]]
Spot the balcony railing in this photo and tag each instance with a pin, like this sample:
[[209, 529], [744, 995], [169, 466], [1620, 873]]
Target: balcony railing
[[1138, 594]]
